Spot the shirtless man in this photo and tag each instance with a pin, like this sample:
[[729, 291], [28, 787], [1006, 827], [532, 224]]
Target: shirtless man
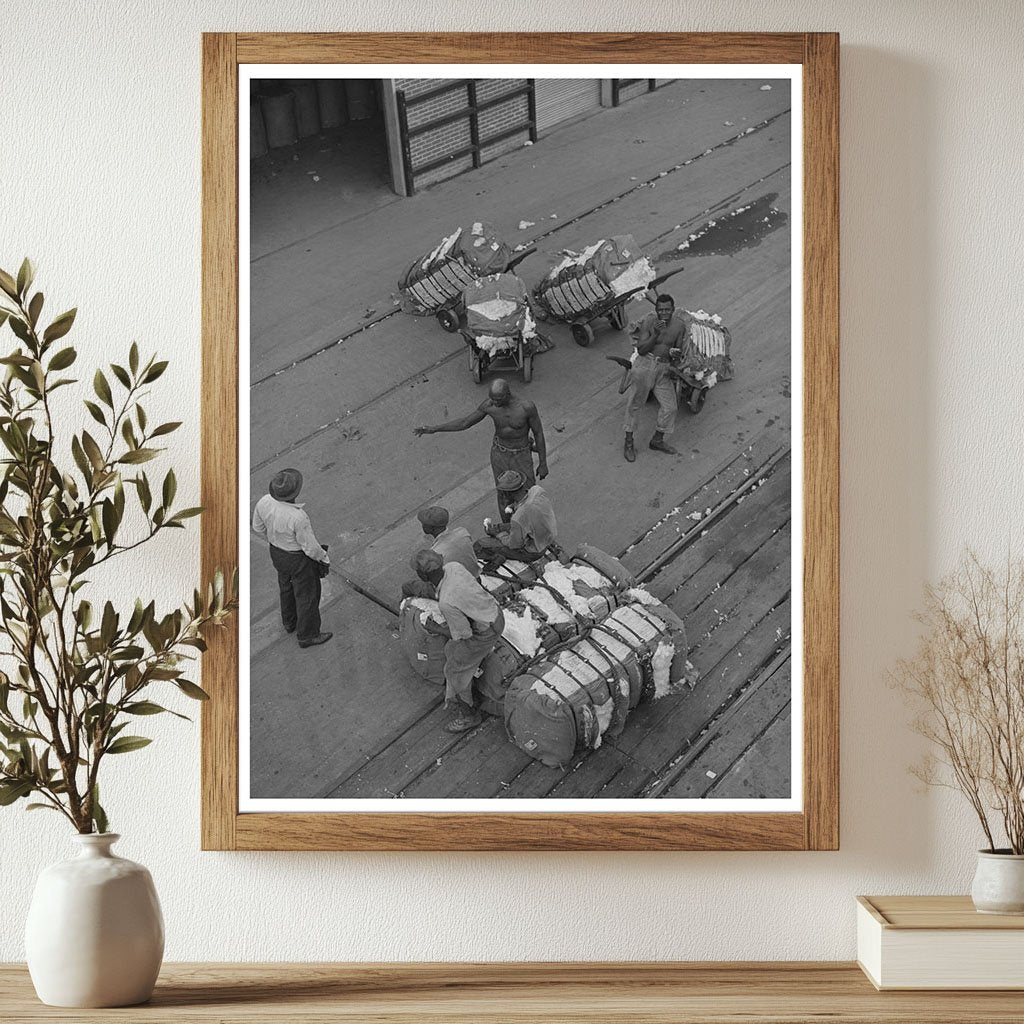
[[515, 419], [658, 337]]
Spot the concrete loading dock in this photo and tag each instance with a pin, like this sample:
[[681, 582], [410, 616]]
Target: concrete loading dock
[[339, 380]]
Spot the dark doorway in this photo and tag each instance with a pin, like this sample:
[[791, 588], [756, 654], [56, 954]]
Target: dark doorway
[[319, 157]]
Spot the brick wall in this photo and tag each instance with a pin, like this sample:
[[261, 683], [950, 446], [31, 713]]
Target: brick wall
[[436, 143]]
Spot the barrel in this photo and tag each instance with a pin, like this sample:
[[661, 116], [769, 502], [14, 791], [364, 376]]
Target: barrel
[[331, 97], [257, 131], [307, 106], [278, 106], [360, 99]]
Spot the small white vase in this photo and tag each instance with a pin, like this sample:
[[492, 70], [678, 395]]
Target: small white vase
[[95, 934], [999, 883]]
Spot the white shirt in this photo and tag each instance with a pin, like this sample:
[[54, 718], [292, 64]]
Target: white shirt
[[285, 525]]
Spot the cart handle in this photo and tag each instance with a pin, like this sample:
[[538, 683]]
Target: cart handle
[[522, 256], [658, 282]]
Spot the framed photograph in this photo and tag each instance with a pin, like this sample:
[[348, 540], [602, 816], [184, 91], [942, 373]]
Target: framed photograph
[[520, 420]]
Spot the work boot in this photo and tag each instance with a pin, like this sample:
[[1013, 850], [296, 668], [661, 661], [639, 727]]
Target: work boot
[[313, 641], [628, 451], [464, 719], [658, 444]]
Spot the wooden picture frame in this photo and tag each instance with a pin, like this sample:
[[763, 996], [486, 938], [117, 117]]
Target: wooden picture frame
[[816, 827]]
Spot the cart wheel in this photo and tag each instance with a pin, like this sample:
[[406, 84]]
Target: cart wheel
[[448, 319], [617, 317], [696, 400], [527, 367], [582, 334]]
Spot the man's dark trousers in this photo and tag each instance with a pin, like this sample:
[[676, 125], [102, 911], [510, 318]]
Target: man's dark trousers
[[299, 584]]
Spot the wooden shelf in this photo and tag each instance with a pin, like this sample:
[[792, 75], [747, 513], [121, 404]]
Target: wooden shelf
[[659, 993]]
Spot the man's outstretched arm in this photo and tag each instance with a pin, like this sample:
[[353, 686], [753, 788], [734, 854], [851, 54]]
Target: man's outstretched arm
[[460, 424]]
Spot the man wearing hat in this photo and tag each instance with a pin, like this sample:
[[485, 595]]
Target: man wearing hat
[[531, 529], [475, 622], [453, 545], [296, 555], [515, 420]]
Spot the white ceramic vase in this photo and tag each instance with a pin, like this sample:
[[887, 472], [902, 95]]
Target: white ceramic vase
[[95, 934], [999, 883]]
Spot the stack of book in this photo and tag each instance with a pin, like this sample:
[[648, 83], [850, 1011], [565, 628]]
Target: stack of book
[[938, 942]]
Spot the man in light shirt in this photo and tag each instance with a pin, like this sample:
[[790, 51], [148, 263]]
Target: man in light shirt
[[475, 622], [453, 545], [530, 532], [296, 554]]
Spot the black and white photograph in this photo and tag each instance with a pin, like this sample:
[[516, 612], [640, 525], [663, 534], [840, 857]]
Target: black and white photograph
[[522, 356]]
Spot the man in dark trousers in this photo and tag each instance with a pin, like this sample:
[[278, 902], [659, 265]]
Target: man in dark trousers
[[515, 419], [476, 624], [659, 337], [297, 557]]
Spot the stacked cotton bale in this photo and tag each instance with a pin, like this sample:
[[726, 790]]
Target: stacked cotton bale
[[564, 704], [498, 313], [708, 356], [437, 279], [544, 606], [594, 277]]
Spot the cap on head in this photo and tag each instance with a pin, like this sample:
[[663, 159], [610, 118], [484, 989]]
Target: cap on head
[[511, 480], [286, 485], [433, 518], [426, 562]]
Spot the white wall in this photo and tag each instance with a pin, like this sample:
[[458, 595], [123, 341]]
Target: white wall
[[99, 181]]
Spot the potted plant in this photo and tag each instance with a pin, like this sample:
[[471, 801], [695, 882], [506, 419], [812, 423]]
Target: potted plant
[[967, 683], [78, 671]]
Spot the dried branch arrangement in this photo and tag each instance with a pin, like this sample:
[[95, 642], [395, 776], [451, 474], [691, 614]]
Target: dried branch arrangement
[[77, 673], [967, 682]]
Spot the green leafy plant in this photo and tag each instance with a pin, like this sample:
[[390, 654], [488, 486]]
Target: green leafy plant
[[78, 673]]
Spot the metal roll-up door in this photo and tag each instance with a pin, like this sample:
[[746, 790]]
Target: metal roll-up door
[[558, 99]]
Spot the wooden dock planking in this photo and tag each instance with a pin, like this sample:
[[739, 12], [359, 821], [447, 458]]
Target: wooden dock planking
[[655, 738], [711, 557], [494, 776], [715, 489], [629, 779], [728, 737], [764, 769], [585, 778], [477, 766], [396, 765], [764, 576]]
